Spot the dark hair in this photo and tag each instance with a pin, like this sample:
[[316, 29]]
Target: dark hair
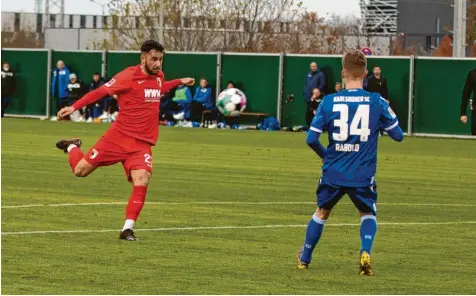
[[231, 82], [203, 78], [97, 73], [149, 45]]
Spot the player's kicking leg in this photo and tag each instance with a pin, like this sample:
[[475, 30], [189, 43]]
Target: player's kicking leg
[[80, 167]]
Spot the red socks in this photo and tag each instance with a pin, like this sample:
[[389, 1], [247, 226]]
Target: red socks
[[75, 155], [136, 202]]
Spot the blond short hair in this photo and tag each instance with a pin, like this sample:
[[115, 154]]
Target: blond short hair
[[354, 64]]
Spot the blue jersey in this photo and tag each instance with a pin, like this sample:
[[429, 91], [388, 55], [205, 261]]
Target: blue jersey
[[353, 119]]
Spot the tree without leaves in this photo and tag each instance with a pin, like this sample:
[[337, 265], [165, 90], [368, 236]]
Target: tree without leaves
[[188, 23], [257, 23], [20, 39], [231, 25]]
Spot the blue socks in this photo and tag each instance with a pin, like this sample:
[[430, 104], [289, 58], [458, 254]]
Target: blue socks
[[313, 234], [368, 228]]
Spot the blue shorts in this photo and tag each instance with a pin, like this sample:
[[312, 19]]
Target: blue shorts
[[364, 198]]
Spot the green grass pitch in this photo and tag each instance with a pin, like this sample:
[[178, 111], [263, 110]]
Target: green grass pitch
[[206, 179]]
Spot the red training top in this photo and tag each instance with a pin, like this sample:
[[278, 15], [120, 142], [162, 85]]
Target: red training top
[[138, 97]]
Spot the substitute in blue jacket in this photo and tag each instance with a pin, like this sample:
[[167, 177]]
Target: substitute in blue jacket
[[314, 79], [352, 118], [59, 84], [202, 100]]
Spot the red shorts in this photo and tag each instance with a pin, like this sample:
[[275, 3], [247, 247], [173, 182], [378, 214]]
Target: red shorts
[[116, 147]]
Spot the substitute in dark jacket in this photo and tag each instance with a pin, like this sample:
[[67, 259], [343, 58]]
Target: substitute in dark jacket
[[75, 90], [97, 82], [378, 84], [469, 87], [314, 103], [314, 79], [8, 86]]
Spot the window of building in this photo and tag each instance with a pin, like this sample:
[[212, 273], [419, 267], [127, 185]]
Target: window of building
[[82, 22], [246, 26], [137, 22], [186, 22], [39, 22], [104, 21], [70, 21], [52, 20], [16, 24], [211, 24], [115, 21], [95, 20]]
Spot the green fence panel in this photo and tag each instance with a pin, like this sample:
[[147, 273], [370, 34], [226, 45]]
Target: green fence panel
[[295, 71], [180, 65], [116, 61], [31, 68], [257, 76], [437, 95], [84, 64], [396, 71]]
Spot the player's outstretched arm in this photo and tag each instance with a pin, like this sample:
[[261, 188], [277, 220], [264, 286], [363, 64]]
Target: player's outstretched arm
[[168, 85], [313, 142], [318, 126], [396, 133], [90, 97], [87, 99]]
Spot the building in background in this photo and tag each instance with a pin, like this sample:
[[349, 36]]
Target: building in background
[[379, 17], [425, 22]]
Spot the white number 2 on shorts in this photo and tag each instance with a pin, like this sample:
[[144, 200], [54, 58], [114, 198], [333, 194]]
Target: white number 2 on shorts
[[148, 160]]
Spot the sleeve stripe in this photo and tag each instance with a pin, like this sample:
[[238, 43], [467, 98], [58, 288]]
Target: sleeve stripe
[[315, 130], [392, 126]]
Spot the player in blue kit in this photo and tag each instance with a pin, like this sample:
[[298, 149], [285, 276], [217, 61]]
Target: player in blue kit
[[352, 118]]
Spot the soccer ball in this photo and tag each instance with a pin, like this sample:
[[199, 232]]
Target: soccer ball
[[231, 102]]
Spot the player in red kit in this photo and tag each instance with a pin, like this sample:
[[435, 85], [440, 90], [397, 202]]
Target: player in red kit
[[132, 135]]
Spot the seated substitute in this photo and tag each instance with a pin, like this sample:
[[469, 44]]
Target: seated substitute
[[202, 100]]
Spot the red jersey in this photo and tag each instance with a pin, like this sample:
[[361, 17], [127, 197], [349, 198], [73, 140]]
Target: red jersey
[[138, 97]]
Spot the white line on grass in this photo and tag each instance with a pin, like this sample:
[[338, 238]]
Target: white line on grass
[[224, 203], [231, 227]]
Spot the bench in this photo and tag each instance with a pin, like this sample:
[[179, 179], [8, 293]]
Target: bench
[[258, 115]]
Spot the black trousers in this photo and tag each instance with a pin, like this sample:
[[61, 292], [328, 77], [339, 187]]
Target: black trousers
[[5, 103], [170, 107], [310, 108], [196, 110], [473, 122]]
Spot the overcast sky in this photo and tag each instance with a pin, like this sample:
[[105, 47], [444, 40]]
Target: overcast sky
[[323, 7]]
